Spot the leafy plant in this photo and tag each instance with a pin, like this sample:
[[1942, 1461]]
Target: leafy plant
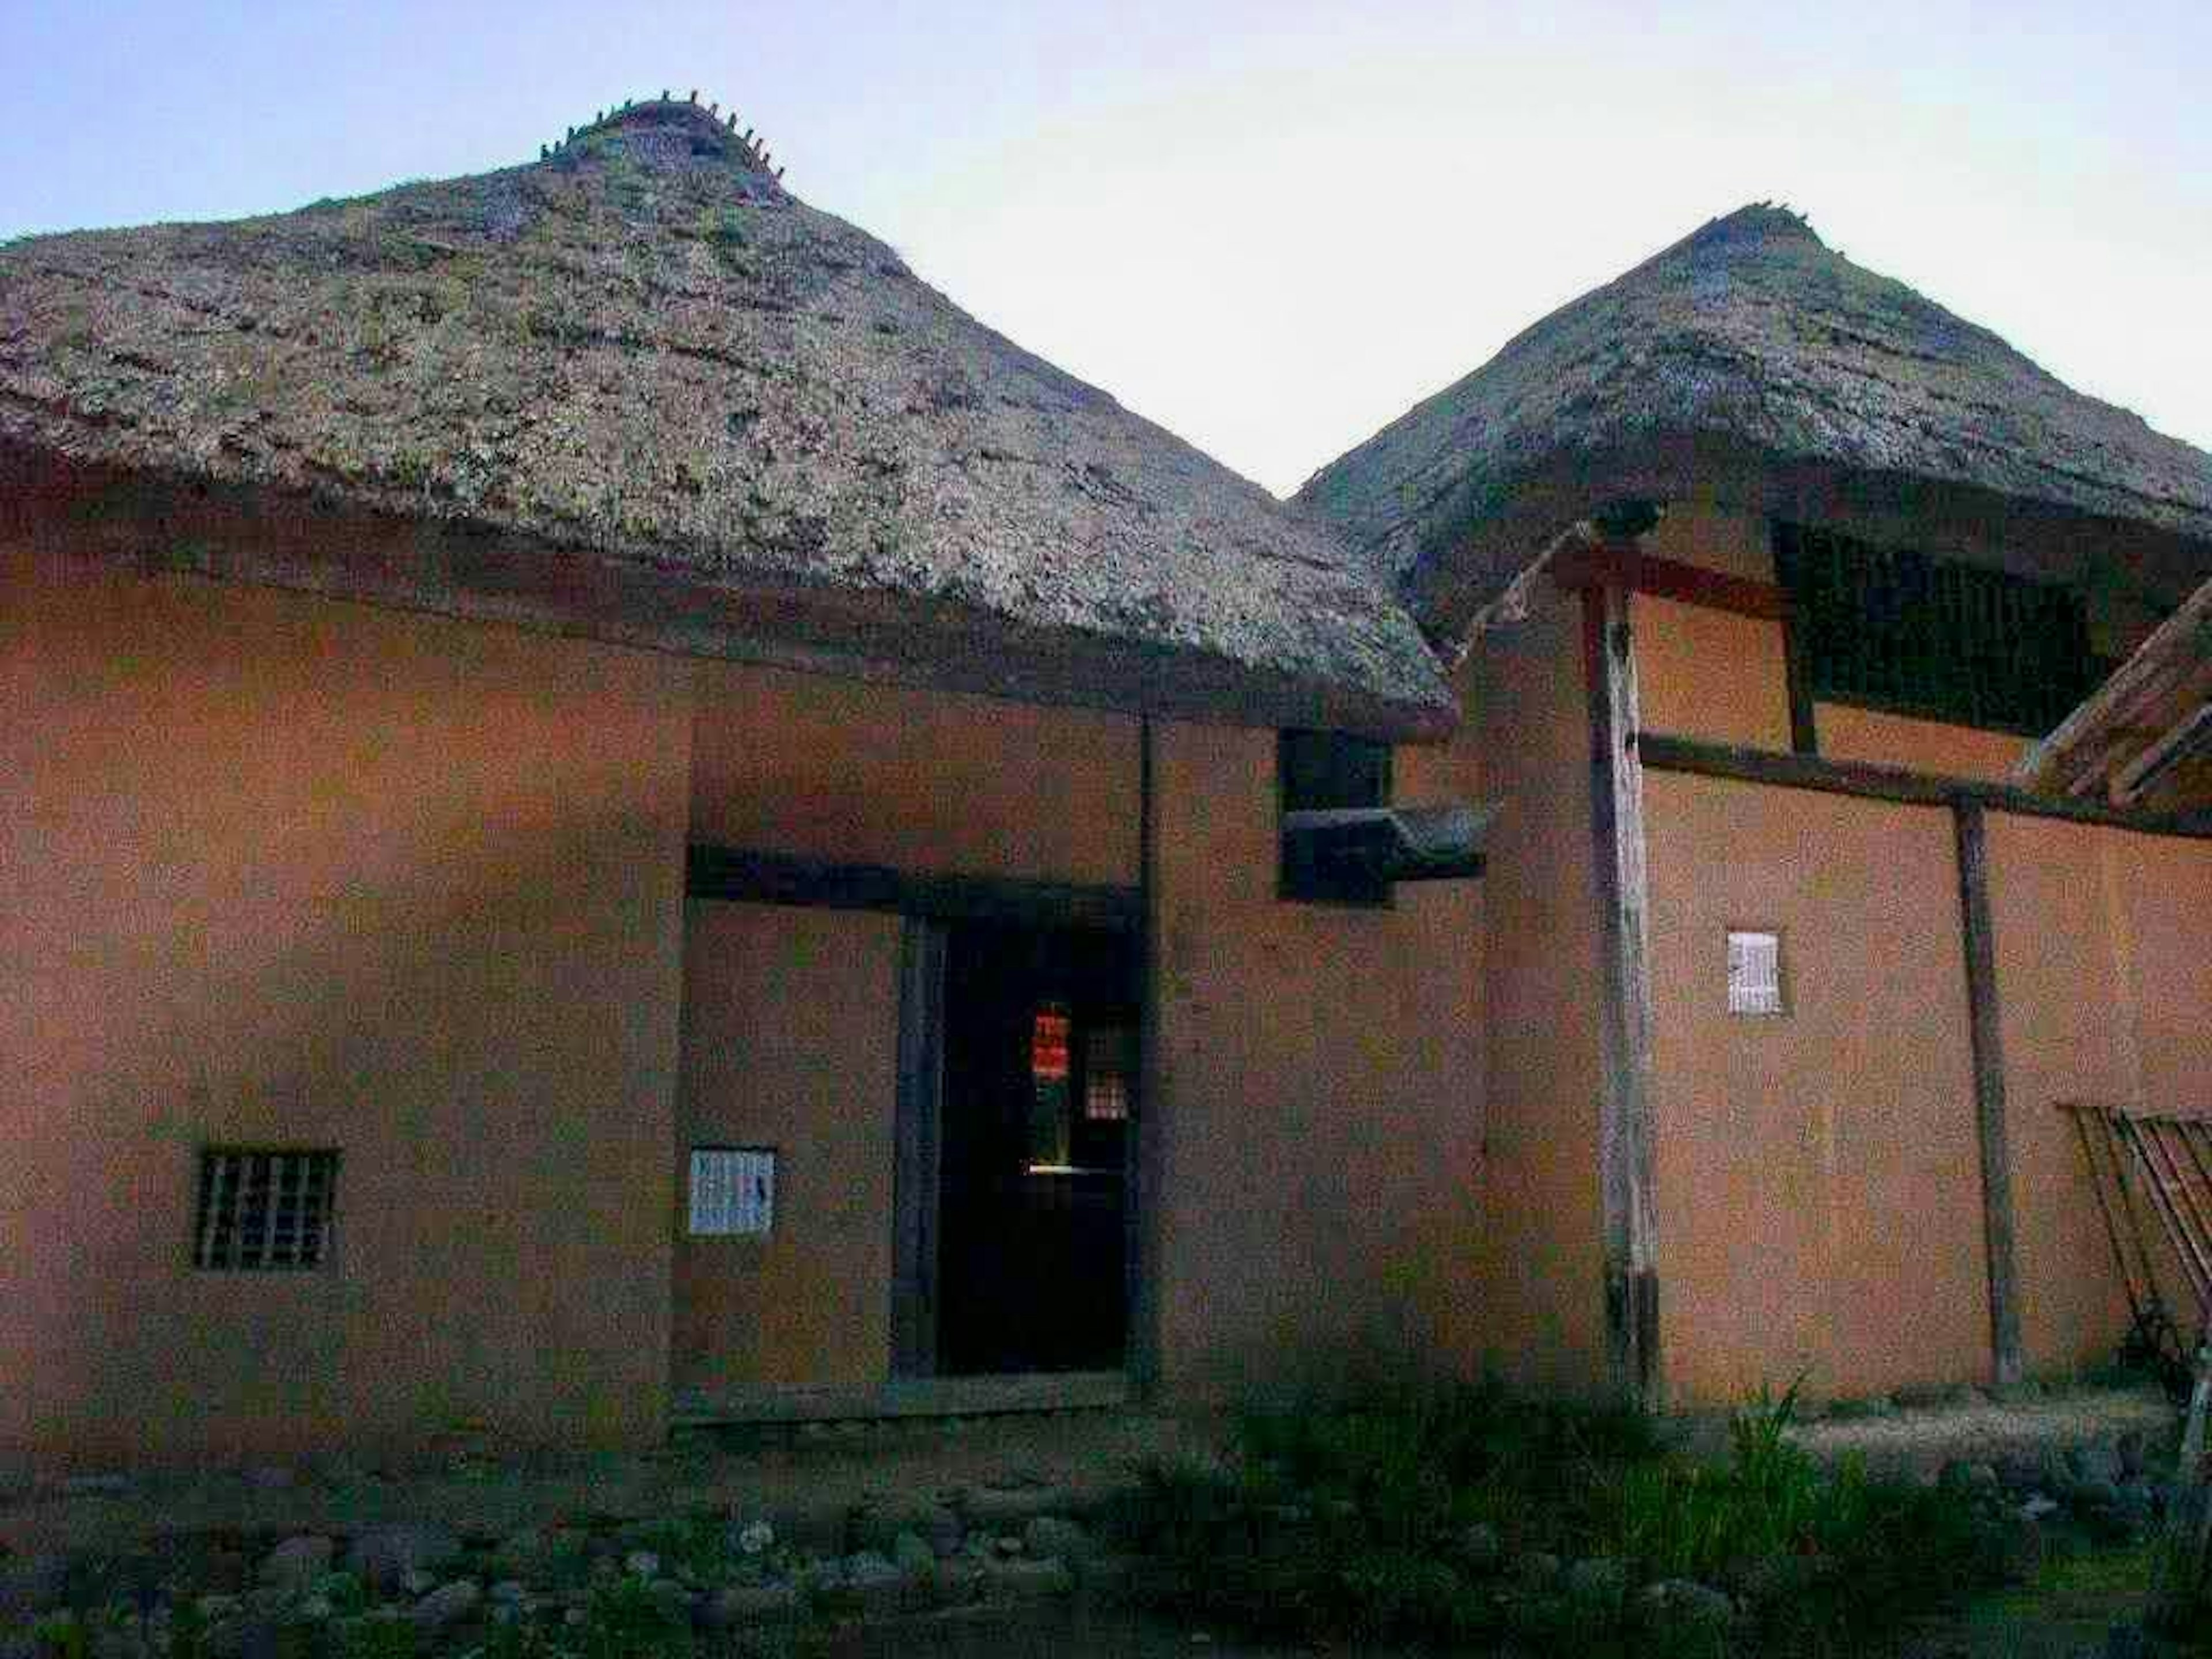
[[1346, 1517], [372, 1636], [625, 1621]]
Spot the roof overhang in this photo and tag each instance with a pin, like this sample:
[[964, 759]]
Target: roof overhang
[[1478, 544], [96, 515]]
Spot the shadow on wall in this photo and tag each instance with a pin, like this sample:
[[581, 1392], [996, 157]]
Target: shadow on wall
[[299, 874]]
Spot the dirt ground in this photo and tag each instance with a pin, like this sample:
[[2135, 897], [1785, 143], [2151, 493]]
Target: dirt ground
[[1922, 1442], [808, 1478], [805, 1482]]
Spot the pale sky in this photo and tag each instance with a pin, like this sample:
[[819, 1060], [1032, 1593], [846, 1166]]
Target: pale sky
[[1268, 225]]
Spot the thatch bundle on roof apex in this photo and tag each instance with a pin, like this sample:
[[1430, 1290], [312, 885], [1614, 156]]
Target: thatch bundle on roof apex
[[1751, 363], [639, 390]]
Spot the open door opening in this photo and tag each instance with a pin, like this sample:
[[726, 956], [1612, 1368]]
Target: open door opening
[[1036, 1129]]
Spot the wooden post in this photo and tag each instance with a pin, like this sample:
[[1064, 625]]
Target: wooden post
[[1797, 668], [1987, 1039], [1146, 1147], [1625, 1176], [916, 1140]]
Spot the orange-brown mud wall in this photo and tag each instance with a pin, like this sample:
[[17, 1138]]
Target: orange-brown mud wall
[[287, 871], [1711, 674], [1820, 1203], [790, 1039], [2104, 982], [921, 781], [1724, 678], [1322, 1070], [1539, 1255], [1774, 1190], [791, 1015]]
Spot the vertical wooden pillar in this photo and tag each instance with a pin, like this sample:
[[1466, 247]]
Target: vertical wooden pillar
[[1983, 1016], [1626, 1175], [1146, 1147], [916, 1137], [1804, 732]]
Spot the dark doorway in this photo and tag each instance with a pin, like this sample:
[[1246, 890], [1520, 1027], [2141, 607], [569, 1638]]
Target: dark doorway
[[1039, 1109]]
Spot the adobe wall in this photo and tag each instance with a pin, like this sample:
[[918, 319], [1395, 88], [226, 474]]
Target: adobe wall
[[922, 781], [291, 871], [1846, 733], [1539, 1252], [2070, 1034], [1705, 673], [790, 1042], [1819, 1175], [1322, 1074], [1825, 1164]]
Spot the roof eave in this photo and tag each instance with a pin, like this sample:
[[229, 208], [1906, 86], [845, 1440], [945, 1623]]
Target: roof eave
[[115, 518], [1475, 546]]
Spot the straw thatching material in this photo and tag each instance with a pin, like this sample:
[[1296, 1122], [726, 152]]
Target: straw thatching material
[[1750, 364], [643, 351]]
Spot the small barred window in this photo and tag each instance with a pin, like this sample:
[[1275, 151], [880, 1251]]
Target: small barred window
[[264, 1211]]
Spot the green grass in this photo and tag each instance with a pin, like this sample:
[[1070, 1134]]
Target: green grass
[[1337, 1518]]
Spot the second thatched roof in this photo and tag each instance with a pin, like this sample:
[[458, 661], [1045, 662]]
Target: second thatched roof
[[639, 390], [1750, 362]]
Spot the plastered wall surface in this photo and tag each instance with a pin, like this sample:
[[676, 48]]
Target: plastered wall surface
[[294, 871], [1705, 673], [2162, 898], [1711, 675], [1847, 734], [2070, 1034], [919, 781], [790, 1040], [1322, 1071], [1539, 1255], [1818, 1177]]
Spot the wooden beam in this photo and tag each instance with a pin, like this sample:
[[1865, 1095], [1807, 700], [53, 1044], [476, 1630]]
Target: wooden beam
[[1662, 753], [1627, 1184], [725, 872], [2080, 745], [944, 1396], [1985, 1034], [1145, 1148], [917, 1135], [2187, 738], [1584, 567]]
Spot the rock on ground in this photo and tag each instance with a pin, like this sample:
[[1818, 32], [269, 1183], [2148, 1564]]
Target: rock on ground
[[447, 1605], [382, 1557], [296, 1562]]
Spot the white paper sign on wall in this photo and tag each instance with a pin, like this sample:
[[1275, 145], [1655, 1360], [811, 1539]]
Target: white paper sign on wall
[[732, 1191], [1755, 972]]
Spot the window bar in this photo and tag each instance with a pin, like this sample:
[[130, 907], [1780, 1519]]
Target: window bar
[[277, 1162], [210, 1223], [314, 1222]]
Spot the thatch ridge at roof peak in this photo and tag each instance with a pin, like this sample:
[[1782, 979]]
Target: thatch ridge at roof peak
[[642, 349], [1751, 361]]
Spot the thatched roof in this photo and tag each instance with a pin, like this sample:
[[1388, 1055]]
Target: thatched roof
[[637, 389], [1749, 363], [2143, 737]]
